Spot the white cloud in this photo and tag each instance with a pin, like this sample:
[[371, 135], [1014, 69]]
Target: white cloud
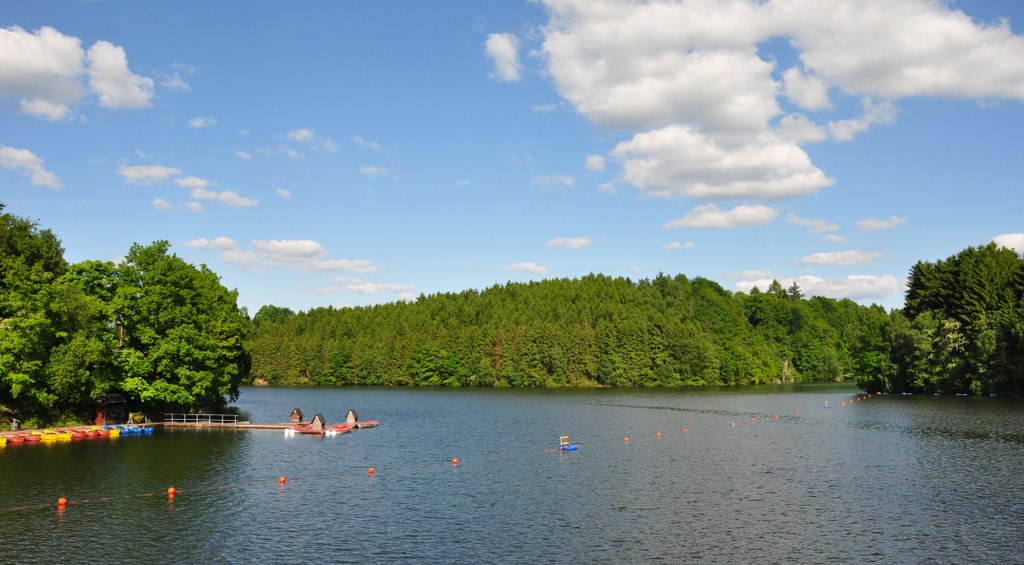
[[569, 242], [304, 134], [816, 226], [161, 204], [111, 79], [280, 150], [852, 257], [464, 182], [554, 180], [174, 82], [595, 163], [234, 199], [358, 140], [45, 109], [312, 140], [201, 122], [798, 129], [222, 242], [873, 224], [689, 81], [711, 216], [845, 130], [193, 207], [344, 284], [305, 255], [751, 274], [675, 245], [42, 68], [854, 287], [678, 160], [283, 193], [243, 155], [543, 108], [833, 238], [527, 267], [1014, 241], [808, 92], [143, 175], [27, 163], [192, 182], [503, 49], [373, 171]]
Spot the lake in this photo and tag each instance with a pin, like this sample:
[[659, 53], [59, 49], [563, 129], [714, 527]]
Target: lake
[[886, 479]]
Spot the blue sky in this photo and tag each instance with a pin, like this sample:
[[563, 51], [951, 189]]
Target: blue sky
[[350, 153]]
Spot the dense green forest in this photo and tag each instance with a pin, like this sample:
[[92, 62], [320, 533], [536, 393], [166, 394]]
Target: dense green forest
[[167, 335], [593, 331], [962, 331], [152, 328]]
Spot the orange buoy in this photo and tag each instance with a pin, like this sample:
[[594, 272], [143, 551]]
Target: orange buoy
[[797, 413], [170, 492], [753, 420], [370, 471], [686, 430], [626, 439], [775, 417], [455, 460], [734, 423], [62, 502], [659, 434], [842, 403], [280, 479]]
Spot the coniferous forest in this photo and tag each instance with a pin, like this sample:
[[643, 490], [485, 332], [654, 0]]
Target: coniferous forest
[[164, 333]]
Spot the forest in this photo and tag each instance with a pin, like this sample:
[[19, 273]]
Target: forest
[[166, 334], [159, 332]]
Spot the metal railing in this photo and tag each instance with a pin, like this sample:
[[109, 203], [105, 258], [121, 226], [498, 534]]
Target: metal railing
[[201, 418]]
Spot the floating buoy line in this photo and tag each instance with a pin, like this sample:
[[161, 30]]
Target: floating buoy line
[[62, 503]]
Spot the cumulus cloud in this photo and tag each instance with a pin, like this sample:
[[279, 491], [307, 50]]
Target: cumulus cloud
[[174, 82], [503, 50], [201, 122], [595, 163], [852, 257], [678, 160], [243, 155], [144, 175], [816, 226], [845, 130], [1014, 241], [312, 140], [113, 82], [345, 284], [221, 243], [675, 245], [293, 254], [569, 242], [373, 171], [711, 216], [854, 287], [192, 182], [193, 207], [234, 199], [27, 163], [43, 69], [833, 238], [161, 204], [360, 141], [808, 92], [45, 109], [527, 267], [543, 108], [554, 180], [874, 224], [688, 81], [283, 193]]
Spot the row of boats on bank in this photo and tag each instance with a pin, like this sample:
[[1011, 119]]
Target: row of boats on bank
[[75, 433]]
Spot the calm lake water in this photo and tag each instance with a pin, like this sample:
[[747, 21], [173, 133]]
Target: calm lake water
[[890, 479]]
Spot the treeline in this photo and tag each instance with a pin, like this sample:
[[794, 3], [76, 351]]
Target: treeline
[[592, 331], [152, 328], [961, 329]]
